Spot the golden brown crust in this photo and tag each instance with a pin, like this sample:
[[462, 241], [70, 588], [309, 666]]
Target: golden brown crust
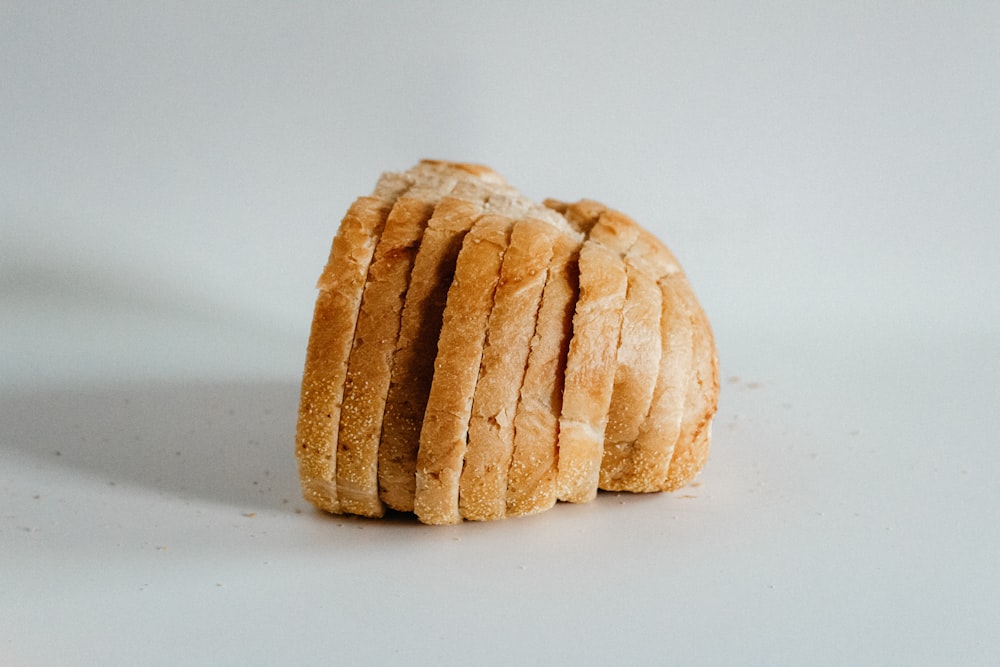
[[482, 173], [325, 372], [443, 436], [483, 483], [581, 215], [370, 365], [639, 357]]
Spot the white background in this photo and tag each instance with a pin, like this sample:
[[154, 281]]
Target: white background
[[171, 176]]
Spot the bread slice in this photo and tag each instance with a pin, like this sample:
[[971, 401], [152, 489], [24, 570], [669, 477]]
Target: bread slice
[[443, 436], [416, 346], [531, 483], [590, 370], [370, 364], [483, 482], [334, 318]]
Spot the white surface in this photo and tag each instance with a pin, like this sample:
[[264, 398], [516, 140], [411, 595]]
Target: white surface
[[170, 178]]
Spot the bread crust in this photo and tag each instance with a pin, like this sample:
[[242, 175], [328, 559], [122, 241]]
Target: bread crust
[[639, 357], [480, 173], [531, 483], [334, 318], [443, 435], [483, 483]]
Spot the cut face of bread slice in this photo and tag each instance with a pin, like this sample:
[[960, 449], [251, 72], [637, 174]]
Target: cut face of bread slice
[[531, 483], [376, 334], [417, 344], [483, 483], [370, 364], [341, 285], [443, 437]]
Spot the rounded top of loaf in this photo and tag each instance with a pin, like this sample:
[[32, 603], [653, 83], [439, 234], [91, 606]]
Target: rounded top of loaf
[[480, 171]]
